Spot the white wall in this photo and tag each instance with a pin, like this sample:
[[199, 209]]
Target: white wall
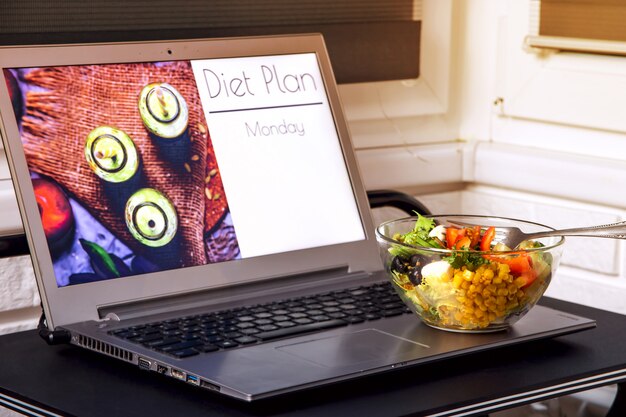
[[488, 128]]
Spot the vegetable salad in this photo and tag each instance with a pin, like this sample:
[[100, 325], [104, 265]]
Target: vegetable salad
[[477, 284]]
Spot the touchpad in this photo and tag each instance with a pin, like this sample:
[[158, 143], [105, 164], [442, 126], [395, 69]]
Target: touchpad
[[368, 345]]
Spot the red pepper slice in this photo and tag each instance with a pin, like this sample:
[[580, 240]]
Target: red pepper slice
[[517, 265], [485, 243], [452, 236]]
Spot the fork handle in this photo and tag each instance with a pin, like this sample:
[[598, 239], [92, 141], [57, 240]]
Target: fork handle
[[611, 230]]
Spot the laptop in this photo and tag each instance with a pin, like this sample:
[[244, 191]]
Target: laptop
[[195, 209]]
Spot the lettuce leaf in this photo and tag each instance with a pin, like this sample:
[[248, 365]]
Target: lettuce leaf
[[419, 235]]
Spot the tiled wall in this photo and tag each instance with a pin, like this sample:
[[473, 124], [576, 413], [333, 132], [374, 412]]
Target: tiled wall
[[19, 299]]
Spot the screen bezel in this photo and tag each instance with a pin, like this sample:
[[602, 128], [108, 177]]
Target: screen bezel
[[77, 303]]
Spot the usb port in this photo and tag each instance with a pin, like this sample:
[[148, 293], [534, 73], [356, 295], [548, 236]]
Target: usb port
[[192, 379], [178, 374], [162, 369], [144, 363]]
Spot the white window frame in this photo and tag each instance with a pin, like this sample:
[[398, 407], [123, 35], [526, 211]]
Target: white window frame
[[560, 93]]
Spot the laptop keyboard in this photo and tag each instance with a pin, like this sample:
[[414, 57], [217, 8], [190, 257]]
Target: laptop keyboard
[[192, 335]]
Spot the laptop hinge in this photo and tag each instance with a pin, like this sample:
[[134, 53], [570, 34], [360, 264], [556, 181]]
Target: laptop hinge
[[234, 295]]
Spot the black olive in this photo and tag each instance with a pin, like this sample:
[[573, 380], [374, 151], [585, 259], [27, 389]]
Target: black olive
[[415, 276], [416, 260], [399, 265]]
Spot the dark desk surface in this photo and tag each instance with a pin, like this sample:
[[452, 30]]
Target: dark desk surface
[[71, 381]]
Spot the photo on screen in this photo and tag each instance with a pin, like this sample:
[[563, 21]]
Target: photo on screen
[[123, 169]]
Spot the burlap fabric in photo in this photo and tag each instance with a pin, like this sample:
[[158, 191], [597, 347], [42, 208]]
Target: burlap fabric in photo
[[69, 102]]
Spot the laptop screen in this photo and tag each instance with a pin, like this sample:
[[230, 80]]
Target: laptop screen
[[149, 173], [151, 166]]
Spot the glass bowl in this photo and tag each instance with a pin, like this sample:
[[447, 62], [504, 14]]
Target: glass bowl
[[464, 286]]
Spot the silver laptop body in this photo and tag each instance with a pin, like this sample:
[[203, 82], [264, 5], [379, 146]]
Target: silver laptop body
[[199, 179]]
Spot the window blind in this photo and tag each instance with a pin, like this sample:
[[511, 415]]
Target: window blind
[[579, 25], [368, 40]]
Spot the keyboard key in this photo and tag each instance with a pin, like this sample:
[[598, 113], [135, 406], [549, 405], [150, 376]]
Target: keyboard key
[[250, 331], [267, 327], [148, 338], [320, 317], [303, 320], [131, 335], [354, 319], [162, 343], [181, 346], [207, 348], [246, 340], [227, 344], [291, 331], [330, 303]]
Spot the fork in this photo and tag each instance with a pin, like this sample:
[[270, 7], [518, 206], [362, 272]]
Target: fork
[[512, 236]]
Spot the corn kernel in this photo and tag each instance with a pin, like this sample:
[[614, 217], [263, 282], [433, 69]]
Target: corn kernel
[[520, 282], [458, 279]]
